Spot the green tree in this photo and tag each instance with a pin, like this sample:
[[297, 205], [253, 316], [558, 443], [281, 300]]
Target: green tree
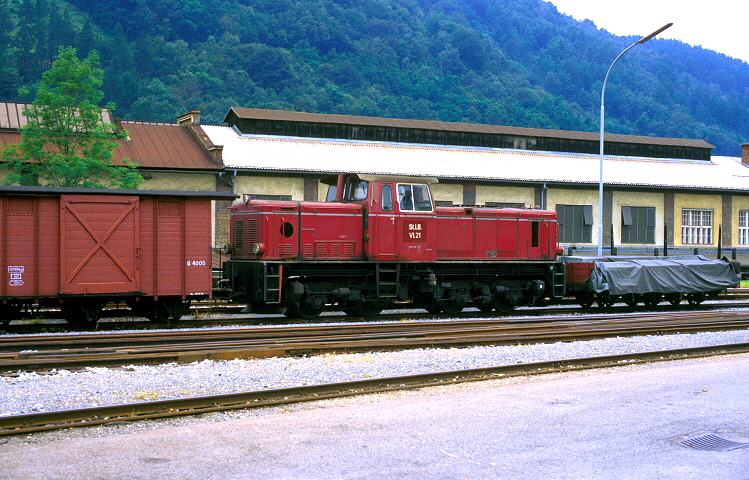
[[66, 142]]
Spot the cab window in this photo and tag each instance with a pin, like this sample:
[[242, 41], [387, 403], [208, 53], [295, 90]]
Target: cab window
[[387, 198], [356, 190], [414, 198]]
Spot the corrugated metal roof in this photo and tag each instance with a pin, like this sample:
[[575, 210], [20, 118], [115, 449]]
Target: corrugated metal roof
[[280, 115], [151, 145], [162, 145], [12, 117], [313, 155]]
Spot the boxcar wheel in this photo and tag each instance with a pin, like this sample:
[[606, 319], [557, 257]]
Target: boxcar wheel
[[630, 300], [604, 301], [81, 313], [651, 299], [673, 298], [585, 300], [696, 298], [9, 312]]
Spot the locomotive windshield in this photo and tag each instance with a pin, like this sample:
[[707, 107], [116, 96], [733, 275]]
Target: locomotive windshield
[[352, 190], [414, 198]]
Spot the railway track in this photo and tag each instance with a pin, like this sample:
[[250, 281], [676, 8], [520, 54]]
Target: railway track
[[46, 421], [212, 314], [40, 353]]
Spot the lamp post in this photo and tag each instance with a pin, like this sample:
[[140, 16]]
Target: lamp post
[[600, 162]]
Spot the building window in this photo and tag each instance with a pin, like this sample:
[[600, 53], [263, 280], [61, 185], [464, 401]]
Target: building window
[[744, 227], [575, 223], [638, 224], [696, 227]]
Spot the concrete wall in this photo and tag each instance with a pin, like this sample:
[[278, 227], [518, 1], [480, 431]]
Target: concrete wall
[[270, 185], [505, 194], [448, 193], [200, 182]]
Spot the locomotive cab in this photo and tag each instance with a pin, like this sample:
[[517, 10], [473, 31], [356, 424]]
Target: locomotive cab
[[399, 220]]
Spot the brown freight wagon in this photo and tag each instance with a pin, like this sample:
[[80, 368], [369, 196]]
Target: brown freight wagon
[[78, 249]]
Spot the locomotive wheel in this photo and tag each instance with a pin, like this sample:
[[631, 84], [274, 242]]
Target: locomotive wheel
[[673, 298], [367, 308], [452, 307], [502, 305], [306, 310]]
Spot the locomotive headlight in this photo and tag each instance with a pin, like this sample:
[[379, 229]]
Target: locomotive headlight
[[258, 249]]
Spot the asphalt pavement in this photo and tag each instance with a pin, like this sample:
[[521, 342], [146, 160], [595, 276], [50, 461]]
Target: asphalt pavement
[[614, 423]]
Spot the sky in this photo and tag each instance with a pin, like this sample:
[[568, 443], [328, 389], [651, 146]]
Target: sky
[[715, 24]]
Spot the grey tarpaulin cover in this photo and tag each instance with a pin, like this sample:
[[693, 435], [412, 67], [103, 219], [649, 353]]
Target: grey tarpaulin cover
[[679, 274]]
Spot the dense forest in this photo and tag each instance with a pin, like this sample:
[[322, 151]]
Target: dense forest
[[504, 62]]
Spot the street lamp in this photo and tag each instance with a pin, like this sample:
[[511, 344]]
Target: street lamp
[[600, 177]]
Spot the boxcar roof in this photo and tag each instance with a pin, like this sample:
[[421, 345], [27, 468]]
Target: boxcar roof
[[37, 191]]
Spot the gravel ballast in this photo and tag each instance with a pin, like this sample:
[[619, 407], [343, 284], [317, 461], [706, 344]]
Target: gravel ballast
[[60, 390]]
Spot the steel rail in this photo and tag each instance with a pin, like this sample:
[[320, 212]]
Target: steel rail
[[45, 421], [118, 339], [297, 342], [254, 319]]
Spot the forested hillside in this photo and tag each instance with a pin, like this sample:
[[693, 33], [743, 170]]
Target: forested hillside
[[506, 62]]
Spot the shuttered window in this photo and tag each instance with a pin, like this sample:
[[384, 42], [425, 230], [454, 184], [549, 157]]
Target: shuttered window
[[575, 223], [638, 225]]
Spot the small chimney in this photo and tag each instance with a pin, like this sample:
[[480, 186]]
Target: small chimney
[[745, 153], [216, 152], [189, 118]]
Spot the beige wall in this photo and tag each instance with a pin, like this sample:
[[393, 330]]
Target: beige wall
[[193, 182], [702, 202], [504, 194], [260, 185], [448, 193], [638, 199]]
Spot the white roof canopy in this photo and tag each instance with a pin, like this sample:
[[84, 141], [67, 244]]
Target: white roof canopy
[[252, 152]]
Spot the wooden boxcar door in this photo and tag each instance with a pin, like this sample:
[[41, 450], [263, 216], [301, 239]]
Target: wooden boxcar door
[[99, 244]]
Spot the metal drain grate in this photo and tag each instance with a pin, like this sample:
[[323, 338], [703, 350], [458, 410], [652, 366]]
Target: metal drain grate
[[712, 443]]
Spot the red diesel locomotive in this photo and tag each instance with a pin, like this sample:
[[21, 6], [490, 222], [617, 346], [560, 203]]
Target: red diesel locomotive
[[380, 240]]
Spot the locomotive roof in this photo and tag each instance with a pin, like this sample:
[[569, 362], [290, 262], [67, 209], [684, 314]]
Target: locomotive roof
[[307, 155], [332, 179], [23, 190]]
